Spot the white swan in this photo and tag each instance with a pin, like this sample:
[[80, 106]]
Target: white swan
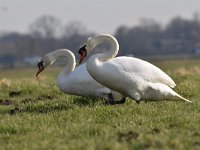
[[78, 81], [129, 76]]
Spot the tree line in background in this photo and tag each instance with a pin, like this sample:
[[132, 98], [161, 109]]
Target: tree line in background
[[180, 36]]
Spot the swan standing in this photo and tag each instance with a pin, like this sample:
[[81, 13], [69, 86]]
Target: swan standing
[[132, 77], [78, 81]]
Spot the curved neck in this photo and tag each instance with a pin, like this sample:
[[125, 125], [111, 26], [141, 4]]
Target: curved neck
[[96, 60], [112, 52], [69, 57]]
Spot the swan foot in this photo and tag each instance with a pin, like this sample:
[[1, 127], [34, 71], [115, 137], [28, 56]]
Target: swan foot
[[112, 101]]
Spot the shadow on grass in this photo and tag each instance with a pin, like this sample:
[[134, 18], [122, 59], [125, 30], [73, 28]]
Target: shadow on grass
[[38, 108], [62, 105], [51, 106], [45, 104], [88, 101], [39, 98], [47, 107]]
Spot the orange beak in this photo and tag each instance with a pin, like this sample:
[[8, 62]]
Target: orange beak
[[82, 56], [40, 68]]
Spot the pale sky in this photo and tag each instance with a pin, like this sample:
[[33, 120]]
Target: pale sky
[[100, 16]]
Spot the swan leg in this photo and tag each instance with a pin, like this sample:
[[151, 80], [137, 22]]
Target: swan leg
[[112, 101]]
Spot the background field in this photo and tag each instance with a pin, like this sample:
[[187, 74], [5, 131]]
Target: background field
[[36, 115]]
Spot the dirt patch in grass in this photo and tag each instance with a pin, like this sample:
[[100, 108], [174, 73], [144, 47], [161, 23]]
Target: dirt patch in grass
[[15, 110], [172, 125], [27, 100], [131, 135], [40, 98], [15, 93], [5, 102], [197, 143], [45, 97], [155, 131], [195, 133]]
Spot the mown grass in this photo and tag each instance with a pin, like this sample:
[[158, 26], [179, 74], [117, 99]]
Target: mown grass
[[42, 117]]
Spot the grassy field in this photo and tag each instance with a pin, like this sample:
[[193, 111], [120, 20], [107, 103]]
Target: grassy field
[[36, 115]]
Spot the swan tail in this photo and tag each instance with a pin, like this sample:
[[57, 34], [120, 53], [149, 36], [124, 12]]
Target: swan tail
[[182, 98], [166, 92]]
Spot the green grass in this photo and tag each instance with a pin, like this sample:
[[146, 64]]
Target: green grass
[[49, 119]]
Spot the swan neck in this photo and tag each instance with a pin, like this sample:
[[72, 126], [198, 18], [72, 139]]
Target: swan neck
[[69, 57], [96, 61], [114, 46]]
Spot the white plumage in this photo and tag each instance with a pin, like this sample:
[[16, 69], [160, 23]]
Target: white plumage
[[132, 77], [76, 81]]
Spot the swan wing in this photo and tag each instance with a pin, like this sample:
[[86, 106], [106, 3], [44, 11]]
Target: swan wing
[[128, 75], [79, 82], [136, 79], [144, 69]]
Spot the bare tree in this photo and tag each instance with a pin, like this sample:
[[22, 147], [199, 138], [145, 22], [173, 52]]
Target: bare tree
[[45, 27], [197, 17], [74, 28]]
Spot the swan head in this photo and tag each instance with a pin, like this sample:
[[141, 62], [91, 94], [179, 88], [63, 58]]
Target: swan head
[[87, 47], [44, 62]]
